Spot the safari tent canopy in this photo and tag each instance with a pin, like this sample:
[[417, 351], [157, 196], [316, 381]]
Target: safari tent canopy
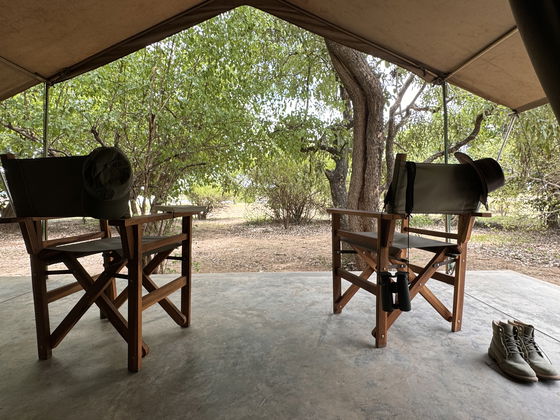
[[473, 44]]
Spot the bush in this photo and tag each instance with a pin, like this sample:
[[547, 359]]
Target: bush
[[210, 197], [293, 190]]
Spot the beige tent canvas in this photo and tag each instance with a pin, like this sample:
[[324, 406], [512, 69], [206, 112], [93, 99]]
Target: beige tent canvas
[[472, 44]]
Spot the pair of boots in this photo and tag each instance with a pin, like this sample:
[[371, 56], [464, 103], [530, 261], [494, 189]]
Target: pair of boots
[[514, 349]]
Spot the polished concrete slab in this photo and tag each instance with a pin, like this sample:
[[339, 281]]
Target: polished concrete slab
[[265, 345]]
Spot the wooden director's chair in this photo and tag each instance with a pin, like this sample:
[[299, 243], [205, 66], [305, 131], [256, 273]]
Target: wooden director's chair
[[96, 186], [415, 188]]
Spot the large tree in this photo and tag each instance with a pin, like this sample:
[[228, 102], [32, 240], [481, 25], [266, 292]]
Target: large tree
[[369, 90]]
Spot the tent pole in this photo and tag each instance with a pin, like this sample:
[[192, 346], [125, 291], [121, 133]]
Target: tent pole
[[509, 128], [445, 123], [448, 268], [445, 140], [45, 119], [45, 138]]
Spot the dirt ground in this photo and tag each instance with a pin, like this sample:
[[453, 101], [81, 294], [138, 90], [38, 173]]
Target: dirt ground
[[227, 242]]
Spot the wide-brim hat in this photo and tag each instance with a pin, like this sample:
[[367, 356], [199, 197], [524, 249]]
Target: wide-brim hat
[[489, 172]]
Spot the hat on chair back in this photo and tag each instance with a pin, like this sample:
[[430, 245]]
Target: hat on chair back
[[107, 179], [489, 172]]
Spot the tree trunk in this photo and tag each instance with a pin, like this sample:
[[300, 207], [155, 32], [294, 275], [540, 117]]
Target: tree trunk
[[366, 94], [337, 181]]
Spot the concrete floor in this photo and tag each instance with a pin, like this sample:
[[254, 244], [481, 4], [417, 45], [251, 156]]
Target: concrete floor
[[265, 345]]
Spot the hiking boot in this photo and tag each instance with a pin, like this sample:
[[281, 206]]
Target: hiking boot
[[533, 354], [506, 352]]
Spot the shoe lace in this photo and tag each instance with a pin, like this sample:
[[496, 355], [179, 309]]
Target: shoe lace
[[530, 344], [533, 347], [511, 343]]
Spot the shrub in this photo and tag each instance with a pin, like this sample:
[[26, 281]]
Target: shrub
[[293, 190], [208, 196]]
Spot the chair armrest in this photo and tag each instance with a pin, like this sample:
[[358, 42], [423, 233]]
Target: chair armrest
[[179, 210], [11, 219], [482, 214], [365, 213], [140, 220], [170, 212], [26, 219], [74, 239]]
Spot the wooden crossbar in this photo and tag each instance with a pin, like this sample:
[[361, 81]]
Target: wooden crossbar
[[436, 303], [122, 297], [103, 301], [94, 290], [72, 239], [352, 290], [442, 277], [357, 280], [63, 291], [162, 292], [161, 243], [165, 303], [432, 233], [417, 284]]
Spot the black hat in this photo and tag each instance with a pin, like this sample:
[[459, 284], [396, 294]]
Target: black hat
[[107, 180], [489, 172]]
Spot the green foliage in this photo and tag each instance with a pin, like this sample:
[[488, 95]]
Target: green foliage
[[535, 154], [194, 108], [530, 158], [211, 197], [239, 96], [423, 135], [292, 190]]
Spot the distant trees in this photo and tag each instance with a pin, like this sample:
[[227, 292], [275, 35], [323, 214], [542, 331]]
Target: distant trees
[[535, 154], [198, 107], [246, 98]]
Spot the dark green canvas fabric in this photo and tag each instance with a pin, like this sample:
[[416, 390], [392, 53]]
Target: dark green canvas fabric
[[96, 185], [438, 188], [45, 187]]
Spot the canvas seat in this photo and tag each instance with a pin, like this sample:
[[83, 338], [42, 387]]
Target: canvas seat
[[388, 272], [95, 186], [107, 245], [368, 240]]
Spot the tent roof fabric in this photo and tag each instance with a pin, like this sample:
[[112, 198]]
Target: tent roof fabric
[[474, 44]]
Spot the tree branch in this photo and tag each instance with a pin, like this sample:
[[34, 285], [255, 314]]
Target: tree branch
[[433, 110], [544, 181], [474, 133], [23, 132], [29, 135], [401, 93], [97, 137], [324, 147]]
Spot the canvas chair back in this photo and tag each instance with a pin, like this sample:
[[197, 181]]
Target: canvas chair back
[[433, 188], [96, 185]]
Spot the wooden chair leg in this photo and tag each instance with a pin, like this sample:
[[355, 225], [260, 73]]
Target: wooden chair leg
[[111, 290], [39, 284], [336, 264], [381, 324], [459, 291], [385, 232], [186, 270], [135, 299]]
